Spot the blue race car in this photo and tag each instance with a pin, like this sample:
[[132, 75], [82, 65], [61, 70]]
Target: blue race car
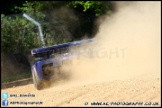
[[46, 57]]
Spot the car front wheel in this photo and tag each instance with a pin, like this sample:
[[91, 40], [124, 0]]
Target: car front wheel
[[37, 82]]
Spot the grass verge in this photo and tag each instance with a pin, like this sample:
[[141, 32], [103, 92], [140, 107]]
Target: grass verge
[[23, 75]]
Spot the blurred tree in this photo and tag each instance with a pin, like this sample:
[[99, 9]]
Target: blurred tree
[[20, 35], [95, 7]]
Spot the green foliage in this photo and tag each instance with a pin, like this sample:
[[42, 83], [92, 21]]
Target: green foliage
[[98, 7], [15, 36], [20, 35], [30, 6], [17, 33]]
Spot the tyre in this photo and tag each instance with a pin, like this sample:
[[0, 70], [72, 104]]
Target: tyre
[[37, 82]]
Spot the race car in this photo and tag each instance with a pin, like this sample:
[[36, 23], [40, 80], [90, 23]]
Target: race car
[[49, 59]]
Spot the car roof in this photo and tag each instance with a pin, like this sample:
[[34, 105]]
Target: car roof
[[46, 49]]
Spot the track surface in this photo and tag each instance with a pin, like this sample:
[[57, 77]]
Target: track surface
[[141, 89]]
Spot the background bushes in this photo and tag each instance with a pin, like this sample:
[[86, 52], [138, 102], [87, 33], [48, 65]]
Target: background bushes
[[61, 21]]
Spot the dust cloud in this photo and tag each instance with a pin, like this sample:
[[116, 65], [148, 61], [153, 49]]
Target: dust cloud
[[126, 46]]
